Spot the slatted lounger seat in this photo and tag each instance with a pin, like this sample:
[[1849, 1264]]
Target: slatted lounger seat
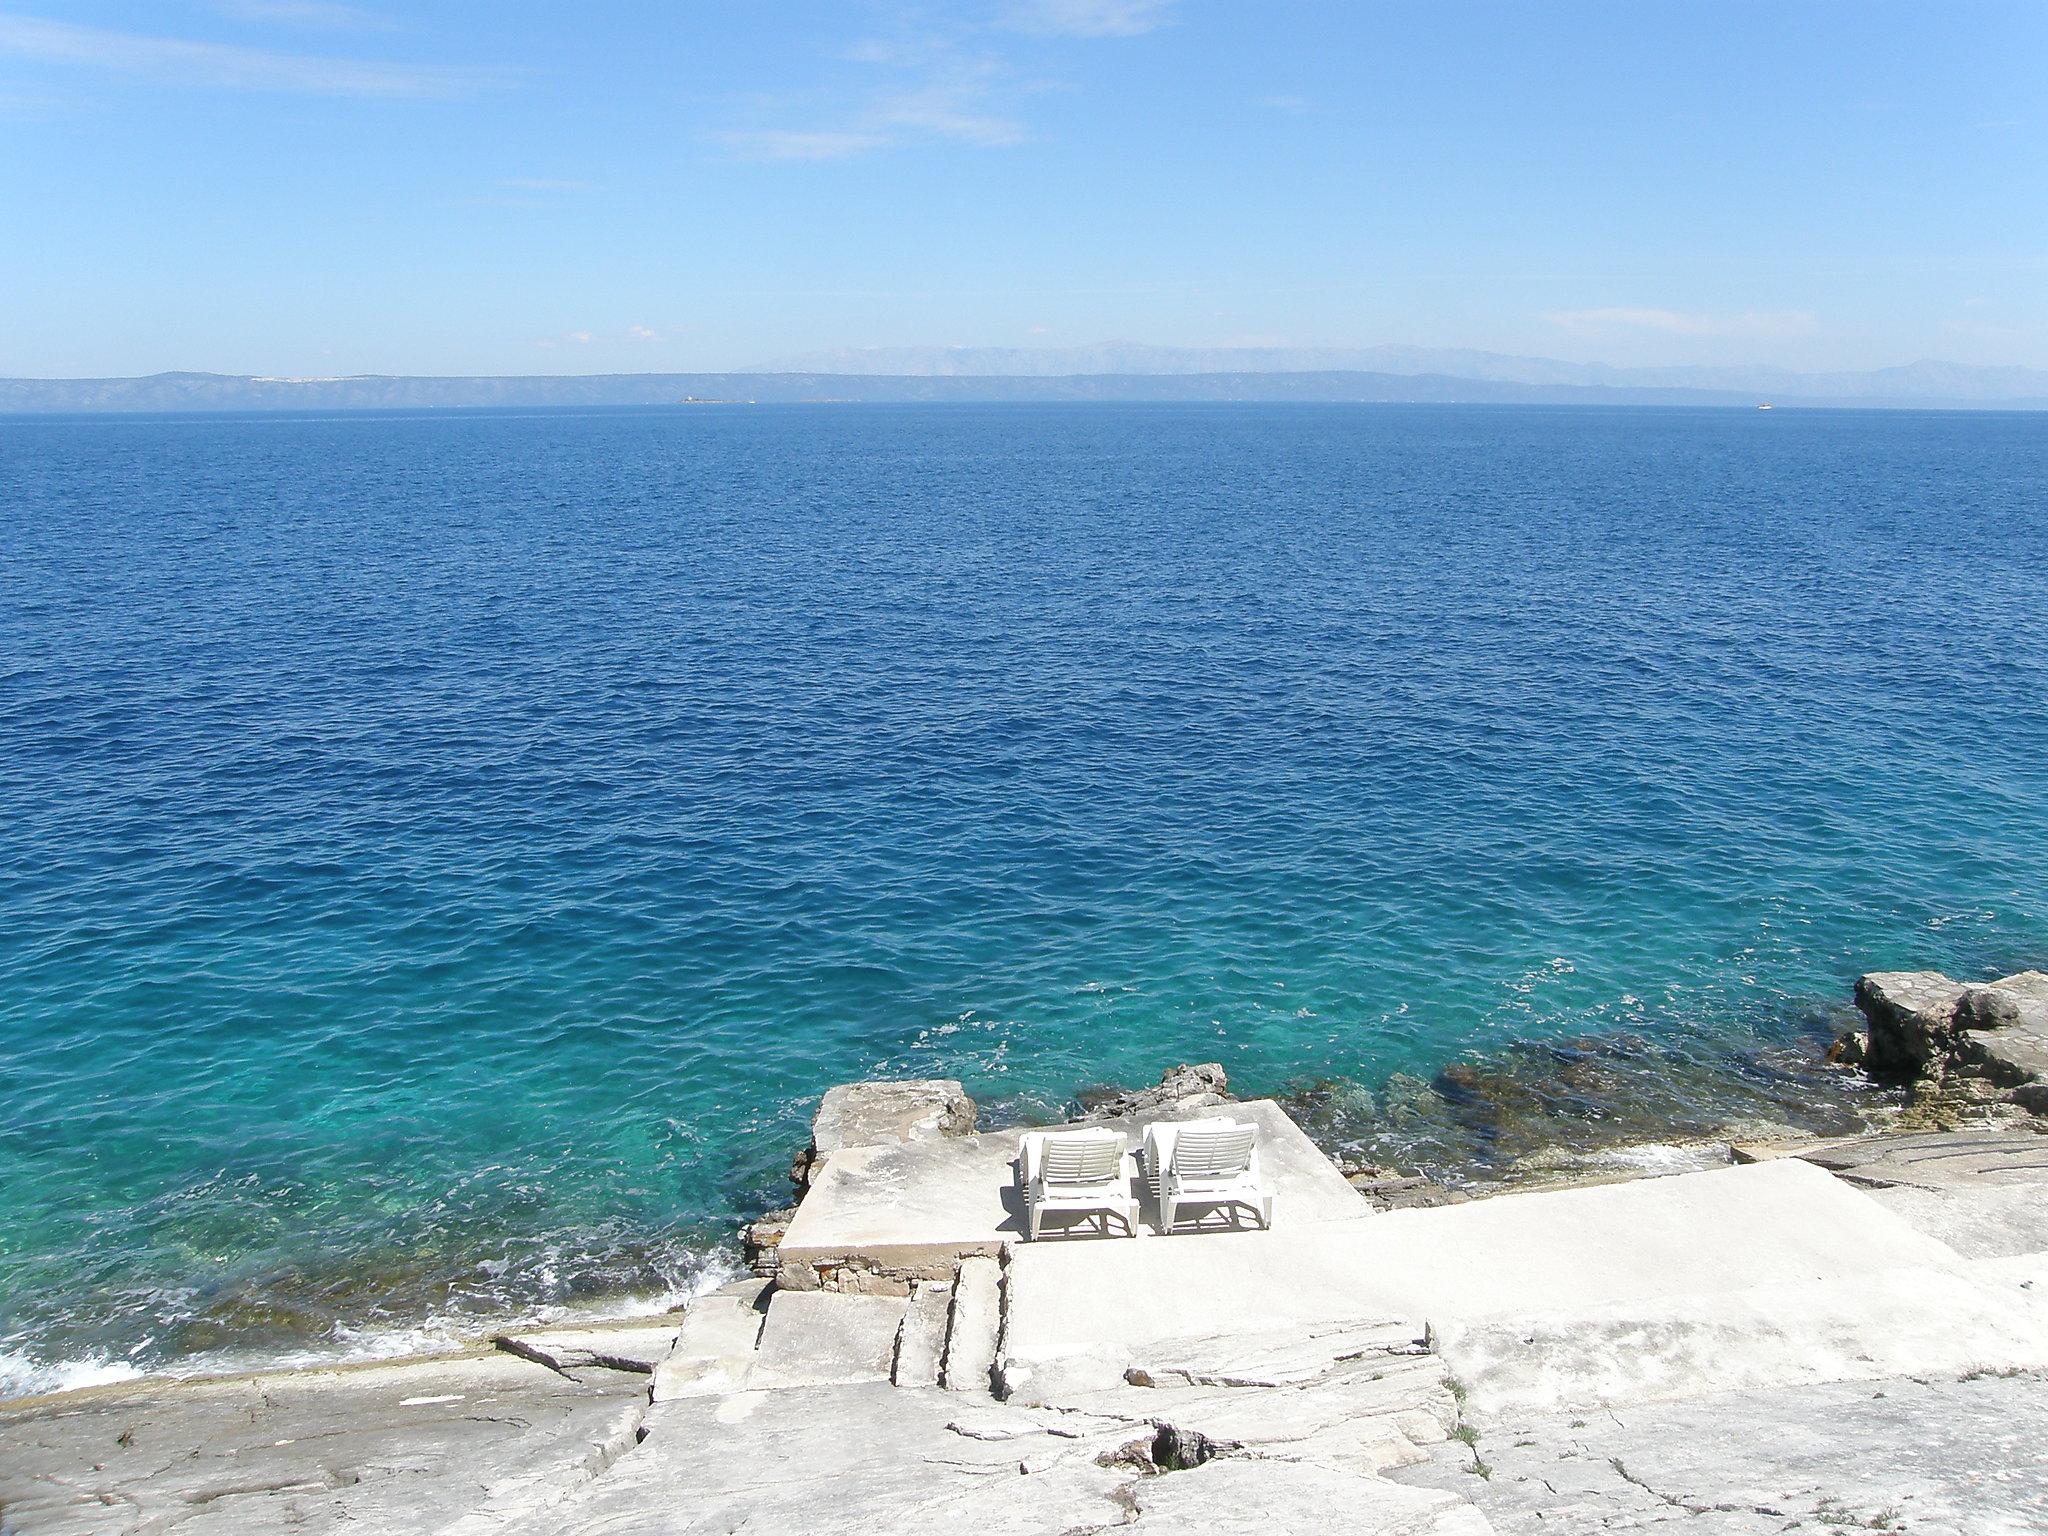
[[1081, 1172], [1210, 1163]]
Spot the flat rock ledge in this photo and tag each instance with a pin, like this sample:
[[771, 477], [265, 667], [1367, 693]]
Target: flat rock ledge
[[1928, 1030], [1853, 1335]]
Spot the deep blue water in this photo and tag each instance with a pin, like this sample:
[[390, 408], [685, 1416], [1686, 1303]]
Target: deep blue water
[[442, 858]]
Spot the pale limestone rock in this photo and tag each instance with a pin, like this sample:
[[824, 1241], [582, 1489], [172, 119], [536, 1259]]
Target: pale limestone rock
[[974, 1328], [821, 1338], [882, 1114], [611, 1348], [921, 1340], [714, 1348], [1931, 1457], [424, 1448]]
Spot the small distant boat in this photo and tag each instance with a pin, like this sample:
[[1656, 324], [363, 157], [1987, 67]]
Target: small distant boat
[[1764, 405]]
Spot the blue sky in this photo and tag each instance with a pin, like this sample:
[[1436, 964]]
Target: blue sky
[[306, 187]]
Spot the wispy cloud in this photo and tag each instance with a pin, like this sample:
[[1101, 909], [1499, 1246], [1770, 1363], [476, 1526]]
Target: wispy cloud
[[939, 94], [799, 143], [931, 84], [1086, 18], [179, 61], [326, 15], [1679, 322]]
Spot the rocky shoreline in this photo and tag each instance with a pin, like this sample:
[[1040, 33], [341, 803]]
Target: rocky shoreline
[[1903, 1300]]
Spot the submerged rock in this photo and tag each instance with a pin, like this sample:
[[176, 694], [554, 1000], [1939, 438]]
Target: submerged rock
[[1181, 1090]]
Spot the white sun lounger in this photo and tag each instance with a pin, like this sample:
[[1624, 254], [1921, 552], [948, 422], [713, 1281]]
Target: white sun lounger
[[1082, 1172], [1211, 1163]]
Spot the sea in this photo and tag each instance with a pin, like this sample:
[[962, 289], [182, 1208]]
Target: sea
[[445, 856]]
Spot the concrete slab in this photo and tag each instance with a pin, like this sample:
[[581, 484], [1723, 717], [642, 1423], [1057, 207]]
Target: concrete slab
[[1730, 1229], [973, 1327], [921, 1341], [818, 1339], [885, 1216], [714, 1348]]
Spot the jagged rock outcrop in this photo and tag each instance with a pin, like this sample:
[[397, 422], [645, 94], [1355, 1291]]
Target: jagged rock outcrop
[[1181, 1090], [1911, 1015], [1927, 1028], [880, 1113]]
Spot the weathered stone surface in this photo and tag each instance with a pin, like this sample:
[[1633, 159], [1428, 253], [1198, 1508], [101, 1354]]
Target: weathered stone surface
[[1912, 1021], [1935, 1159], [2018, 1000], [445, 1447], [921, 1341], [818, 1338], [974, 1327], [611, 1348], [1182, 1090], [714, 1348], [882, 1114], [1841, 1328], [1231, 1496], [2002, 1031], [853, 1459], [1934, 1458]]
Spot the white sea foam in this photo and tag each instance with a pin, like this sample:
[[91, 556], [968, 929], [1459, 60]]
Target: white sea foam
[[23, 1375]]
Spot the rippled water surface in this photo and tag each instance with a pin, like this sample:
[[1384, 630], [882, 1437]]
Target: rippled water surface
[[443, 857]]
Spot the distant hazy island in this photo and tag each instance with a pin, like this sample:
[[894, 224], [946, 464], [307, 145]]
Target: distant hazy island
[[1387, 375]]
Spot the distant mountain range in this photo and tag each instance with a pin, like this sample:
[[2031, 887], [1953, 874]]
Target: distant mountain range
[[1110, 373], [1921, 381]]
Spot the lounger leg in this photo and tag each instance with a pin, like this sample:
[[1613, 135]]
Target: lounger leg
[[1037, 1211], [1166, 1212]]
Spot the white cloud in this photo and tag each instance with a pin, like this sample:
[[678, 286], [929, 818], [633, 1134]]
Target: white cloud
[[1087, 18], [1679, 322], [951, 84], [947, 110], [642, 333], [178, 61], [800, 144]]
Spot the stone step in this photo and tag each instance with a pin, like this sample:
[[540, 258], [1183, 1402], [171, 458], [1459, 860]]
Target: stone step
[[921, 1340], [974, 1327], [714, 1348], [825, 1338]]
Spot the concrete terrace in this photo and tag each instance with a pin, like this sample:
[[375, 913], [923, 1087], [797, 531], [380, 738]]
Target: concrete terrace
[[1756, 1348], [904, 1211]]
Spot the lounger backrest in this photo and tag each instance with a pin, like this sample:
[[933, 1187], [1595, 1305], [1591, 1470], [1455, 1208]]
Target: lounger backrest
[[1088, 1159], [1219, 1151]]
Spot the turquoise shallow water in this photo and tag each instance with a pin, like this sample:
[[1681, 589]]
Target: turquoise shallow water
[[442, 858]]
